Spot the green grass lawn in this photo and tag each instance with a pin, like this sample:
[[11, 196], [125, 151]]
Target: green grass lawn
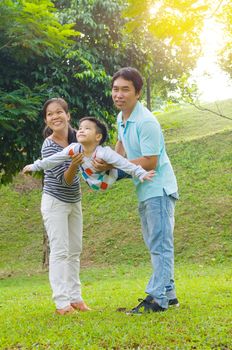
[[203, 321], [115, 263]]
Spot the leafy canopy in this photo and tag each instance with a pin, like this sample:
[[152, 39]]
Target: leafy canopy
[[30, 35]]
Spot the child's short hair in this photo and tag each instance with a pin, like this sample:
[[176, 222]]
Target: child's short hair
[[101, 127]]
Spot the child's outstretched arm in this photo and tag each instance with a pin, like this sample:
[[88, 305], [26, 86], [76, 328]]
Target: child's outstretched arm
[[27, 169], [52, 161], [119, 162], [148, 176]]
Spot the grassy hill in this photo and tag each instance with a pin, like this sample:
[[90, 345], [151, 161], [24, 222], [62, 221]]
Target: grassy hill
[[199, 145], [189, 123], [118, 264]]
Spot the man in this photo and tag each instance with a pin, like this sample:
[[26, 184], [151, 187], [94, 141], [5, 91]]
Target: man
[[140, 138]]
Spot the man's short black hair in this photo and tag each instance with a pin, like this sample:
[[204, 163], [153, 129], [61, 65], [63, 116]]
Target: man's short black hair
[[130, 74], [100, 127]]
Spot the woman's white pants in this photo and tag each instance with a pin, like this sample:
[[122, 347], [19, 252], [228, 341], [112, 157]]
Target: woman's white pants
[[63, 223]]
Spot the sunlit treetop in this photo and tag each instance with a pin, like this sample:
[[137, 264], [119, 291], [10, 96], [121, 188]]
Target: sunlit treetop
[[176, 20], [224, 16]]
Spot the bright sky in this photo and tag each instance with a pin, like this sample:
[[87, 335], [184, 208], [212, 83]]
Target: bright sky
[[212, 82]]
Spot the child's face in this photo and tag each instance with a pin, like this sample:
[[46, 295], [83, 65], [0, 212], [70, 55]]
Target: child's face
[[87, 133]]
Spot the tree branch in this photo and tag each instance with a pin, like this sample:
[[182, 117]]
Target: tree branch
[[215, 11], [209, 110], [9, 42]]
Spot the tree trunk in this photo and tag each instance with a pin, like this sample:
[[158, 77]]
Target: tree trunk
[[148, 83], [46, 250]]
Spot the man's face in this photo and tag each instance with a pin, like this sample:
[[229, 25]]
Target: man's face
[[124, 95]]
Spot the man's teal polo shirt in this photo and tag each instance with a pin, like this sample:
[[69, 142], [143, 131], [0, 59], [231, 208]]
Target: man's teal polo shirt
[[142, 136]]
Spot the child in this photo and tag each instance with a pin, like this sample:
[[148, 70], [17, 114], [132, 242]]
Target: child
[[91, 135]]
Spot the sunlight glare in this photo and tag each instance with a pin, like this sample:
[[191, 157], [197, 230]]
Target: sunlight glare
[[213, 83], [155, 8]]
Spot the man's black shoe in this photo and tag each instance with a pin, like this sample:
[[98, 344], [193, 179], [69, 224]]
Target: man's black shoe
[[147, 305], [173, 302]]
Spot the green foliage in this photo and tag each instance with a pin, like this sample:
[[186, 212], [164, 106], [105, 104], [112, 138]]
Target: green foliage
[[174, 20], [225, 19], [43, 60], [18, 140], [168, 35], [31, 28], [72, 48], [96, 54], [30, 37], [99, 22]]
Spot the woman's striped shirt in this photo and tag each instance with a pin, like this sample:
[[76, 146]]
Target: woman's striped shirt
[[54, 182]]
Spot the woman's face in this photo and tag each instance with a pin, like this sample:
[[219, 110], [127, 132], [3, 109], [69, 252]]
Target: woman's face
[[56, 117]]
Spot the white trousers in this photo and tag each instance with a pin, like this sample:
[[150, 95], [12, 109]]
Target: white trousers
[[63, 223]]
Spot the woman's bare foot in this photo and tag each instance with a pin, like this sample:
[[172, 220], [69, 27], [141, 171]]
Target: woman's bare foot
[[81, 306], [66, 310]]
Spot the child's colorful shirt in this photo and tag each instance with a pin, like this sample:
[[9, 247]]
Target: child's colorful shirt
[[95, 179]]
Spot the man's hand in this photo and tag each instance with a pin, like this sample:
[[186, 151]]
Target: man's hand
[[101, 165]]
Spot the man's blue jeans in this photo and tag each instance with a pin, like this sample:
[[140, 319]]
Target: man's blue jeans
[[157, 218]]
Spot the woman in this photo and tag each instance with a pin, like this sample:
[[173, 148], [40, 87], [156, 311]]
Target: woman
[[61, 210]]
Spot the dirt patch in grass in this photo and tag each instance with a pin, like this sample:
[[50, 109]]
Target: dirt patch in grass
[[26, 183]]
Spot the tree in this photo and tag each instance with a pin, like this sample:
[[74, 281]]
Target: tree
[[30, 35], [42, 62], [46, 57], [224, 16], [96, 53], [169, 33]]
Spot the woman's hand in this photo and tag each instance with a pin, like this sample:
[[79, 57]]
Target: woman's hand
[[70, 173], [77, 159]]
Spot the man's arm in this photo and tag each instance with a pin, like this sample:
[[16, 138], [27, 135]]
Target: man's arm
[[146, 162], [112, 157], [101, 165], [119, 148]]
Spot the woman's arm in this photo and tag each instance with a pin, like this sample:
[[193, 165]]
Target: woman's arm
[[70, 173]]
